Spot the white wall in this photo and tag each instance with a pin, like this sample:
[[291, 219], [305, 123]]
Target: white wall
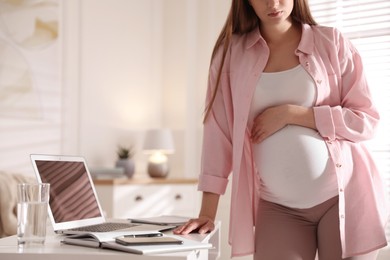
[[120, 80], [125, 66], [141, 64]]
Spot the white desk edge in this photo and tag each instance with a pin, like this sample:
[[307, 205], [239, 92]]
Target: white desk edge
[[54, 249]]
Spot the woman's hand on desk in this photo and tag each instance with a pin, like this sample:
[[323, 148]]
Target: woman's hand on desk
[[205, 222], [201, 225]]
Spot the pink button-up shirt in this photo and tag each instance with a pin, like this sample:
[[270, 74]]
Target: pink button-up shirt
[[345, 117]]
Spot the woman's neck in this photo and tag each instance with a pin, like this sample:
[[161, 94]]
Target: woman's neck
[[281, 33]]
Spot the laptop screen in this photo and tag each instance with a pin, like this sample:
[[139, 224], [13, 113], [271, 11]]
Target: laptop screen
[[71, 195]]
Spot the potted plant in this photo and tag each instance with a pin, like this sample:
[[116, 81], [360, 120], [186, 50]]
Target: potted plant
[[125, 160]]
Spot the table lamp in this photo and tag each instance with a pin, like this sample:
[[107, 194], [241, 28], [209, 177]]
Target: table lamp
[[158, 143]]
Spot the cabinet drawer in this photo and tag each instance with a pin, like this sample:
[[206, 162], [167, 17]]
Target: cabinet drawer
[[154, 200]]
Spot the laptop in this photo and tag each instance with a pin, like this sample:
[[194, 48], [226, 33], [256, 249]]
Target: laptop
[[74, 207]]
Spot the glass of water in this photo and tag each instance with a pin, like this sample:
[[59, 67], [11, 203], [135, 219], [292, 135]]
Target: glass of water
[[33, 199]]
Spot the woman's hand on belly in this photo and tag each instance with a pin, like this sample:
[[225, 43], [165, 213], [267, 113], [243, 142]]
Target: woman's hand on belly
[[275, 118]]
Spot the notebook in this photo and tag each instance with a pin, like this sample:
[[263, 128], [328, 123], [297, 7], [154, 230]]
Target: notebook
[[74, 207]]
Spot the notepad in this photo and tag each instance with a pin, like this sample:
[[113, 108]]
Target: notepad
[[105, 242]]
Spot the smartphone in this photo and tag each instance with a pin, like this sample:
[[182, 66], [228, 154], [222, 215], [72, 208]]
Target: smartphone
[[138, 241]]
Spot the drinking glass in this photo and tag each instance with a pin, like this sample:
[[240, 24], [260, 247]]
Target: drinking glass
[[33, 199]]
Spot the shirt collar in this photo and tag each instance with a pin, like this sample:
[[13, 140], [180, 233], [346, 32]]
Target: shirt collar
[[253, 37], [306, 44]]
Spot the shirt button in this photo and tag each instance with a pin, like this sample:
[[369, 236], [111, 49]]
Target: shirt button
[[341, 216], [319, 81], [338, 165], [341, 190]]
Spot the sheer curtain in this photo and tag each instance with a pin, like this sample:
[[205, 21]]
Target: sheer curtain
[[367, 24]]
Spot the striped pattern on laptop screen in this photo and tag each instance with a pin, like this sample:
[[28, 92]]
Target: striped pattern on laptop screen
[[71, 195]]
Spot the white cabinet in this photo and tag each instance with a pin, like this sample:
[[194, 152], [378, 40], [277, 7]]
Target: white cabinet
[[132, 198]]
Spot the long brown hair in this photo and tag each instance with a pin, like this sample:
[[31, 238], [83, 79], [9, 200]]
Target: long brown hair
[[243, 19]]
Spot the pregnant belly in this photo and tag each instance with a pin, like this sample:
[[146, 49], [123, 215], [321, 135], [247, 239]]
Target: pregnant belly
[[294, 163]]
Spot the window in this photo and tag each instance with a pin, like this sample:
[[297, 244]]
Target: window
[[367, 24]]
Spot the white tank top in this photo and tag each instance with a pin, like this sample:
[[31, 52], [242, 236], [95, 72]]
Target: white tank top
[[294, 163]]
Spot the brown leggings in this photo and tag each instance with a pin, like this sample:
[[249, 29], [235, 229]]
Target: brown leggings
[[296, 234]]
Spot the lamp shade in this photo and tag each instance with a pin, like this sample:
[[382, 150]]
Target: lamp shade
[[158, 140]]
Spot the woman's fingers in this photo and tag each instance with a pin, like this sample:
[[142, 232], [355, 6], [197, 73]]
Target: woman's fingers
[[203, 225], [209, 226], [269, 122], [186, 228]]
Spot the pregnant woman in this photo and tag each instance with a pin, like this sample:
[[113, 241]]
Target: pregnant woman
[[288, 111]]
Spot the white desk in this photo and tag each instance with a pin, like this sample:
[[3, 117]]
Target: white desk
[[53, 249]]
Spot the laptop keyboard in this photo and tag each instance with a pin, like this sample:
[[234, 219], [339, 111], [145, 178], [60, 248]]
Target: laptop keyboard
[[105, 227]]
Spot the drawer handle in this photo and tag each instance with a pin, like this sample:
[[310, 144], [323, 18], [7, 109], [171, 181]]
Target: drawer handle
[[138, 198], [178, 197]]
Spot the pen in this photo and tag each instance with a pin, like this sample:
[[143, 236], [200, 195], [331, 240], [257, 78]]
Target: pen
[[146, 235]]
